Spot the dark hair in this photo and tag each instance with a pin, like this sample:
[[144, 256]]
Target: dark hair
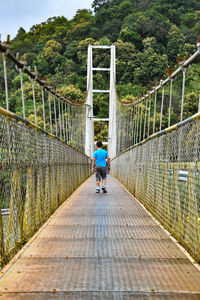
[[99, 144]]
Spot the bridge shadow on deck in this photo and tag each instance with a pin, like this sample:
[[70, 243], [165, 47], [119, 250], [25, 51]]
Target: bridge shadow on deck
[[100, 246]]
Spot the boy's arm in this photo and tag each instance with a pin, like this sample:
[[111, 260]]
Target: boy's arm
[[108, 162], [93, 163]]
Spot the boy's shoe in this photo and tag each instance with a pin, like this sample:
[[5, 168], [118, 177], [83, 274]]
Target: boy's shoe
[[97, 190], [104, 189]]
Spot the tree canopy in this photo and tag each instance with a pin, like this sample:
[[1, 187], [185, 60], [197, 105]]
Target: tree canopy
[[148, 35]]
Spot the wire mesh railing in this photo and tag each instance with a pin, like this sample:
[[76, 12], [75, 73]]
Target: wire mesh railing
[[37, 173], [41, 152], [163, 173]]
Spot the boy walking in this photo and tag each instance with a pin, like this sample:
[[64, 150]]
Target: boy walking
[[99, 164]]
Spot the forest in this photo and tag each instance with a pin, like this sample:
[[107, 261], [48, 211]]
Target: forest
[[148, 34]]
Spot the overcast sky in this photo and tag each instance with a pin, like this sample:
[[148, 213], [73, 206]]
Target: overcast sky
[[25, 13]]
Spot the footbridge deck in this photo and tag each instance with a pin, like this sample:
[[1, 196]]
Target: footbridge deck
[[100, 246]]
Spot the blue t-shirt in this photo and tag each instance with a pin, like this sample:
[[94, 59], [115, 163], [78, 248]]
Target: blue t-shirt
[[100, 156]]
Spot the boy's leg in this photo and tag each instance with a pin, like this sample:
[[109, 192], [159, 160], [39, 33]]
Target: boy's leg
[[98, 179], [104, 180], [97, 187], [97, 183]]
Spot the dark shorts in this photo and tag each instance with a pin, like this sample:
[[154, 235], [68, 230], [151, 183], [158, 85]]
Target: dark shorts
[[100, 173]]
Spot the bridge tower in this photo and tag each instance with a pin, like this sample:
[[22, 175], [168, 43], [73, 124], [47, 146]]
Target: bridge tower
[[89, 141]]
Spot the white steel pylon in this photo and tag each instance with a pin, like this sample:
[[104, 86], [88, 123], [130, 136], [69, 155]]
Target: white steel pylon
[[89, 141], [89, 136], [112, 144]]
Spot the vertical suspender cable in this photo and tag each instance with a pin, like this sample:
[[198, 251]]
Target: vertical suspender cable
[[54, 101], [138, 117], [162, 102], [183, 94], [140, 136], [132, 124], [135, 123], [22, 91], [59, 119], [199, 103], [69, 128], [50, 118], [63, 124], [170, 101], [145, 119], [42, 90], [154, 118], [5, 79], [34, 102], [66, 121], [149, 115]]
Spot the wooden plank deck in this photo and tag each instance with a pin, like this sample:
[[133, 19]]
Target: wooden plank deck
[[100, 246]]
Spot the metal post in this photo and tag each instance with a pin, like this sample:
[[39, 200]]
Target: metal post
[[132, 123], [60, 127], [63, 122], [149, 115], [5, 79], [161, 113], [145, 119], [42, 89], [183, 94], [50, 118], [154, 118], [138, 118], [140, 136], [66, 120], [199, 104], [22, 91], [54, 101], [68, 112], [170, 101], [34, 102], [135, 122]]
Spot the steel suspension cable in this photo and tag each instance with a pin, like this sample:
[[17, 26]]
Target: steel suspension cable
[[55, 116], [162, 103], [149, 115], [22, 92], [5, 79], [50, 117], [34, 102], [63, 123], [60, 125], [170, 101], [154, 118], [183, 93], [145, 119]]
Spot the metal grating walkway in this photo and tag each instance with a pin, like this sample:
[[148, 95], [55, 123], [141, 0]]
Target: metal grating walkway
[[100, 246]]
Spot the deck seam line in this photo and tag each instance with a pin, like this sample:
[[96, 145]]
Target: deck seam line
[[106, 291]]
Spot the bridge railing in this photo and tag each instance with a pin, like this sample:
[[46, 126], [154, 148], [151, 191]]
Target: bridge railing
[[161, 167], [163, 173], [39, 167]]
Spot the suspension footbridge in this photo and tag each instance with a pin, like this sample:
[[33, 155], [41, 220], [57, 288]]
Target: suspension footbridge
[[60, 240]]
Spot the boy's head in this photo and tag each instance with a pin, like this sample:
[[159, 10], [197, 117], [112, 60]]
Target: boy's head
[[99, 144]]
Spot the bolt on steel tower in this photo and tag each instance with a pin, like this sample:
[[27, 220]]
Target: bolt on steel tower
[[89, 141]]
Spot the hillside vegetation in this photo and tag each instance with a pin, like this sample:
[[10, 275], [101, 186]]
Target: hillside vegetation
[[148, 35]]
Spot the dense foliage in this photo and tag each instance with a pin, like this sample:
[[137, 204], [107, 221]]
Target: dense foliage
[[148, 34]]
